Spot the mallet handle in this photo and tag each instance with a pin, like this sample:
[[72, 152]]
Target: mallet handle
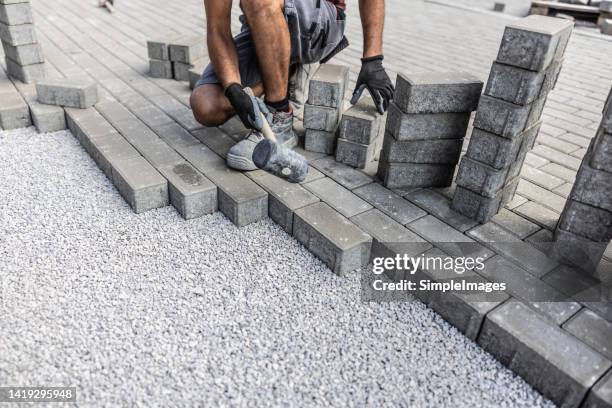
[[266, 129]]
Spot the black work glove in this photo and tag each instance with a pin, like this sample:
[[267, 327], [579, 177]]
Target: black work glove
[[248, 108], [374, 77]]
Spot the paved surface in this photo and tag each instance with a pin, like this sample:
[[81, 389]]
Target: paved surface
[[152, 310]]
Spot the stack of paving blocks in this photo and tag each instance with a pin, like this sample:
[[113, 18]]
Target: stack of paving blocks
[[508, 116], [323, 109], [360, 134], [23, 55], [14, 111], [425, 128], [174, 55], [605, 17], [585, 227]]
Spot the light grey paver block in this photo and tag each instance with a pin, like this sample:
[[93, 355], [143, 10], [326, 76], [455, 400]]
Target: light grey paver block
[[187, 49], [24, 54], [16, 14], [481, 208], [593, 187], [593, 330], [283, 198], [440, 206], [14, 111], [320, 141], [157, 48], [605, 6], [507, 119], [25, 73], [356, 154], [338, 197], [443, 151], [73, 93], [534, 42], [180, 71], [424, 126], [601, 153], [362, 123], [160, 69], [538, 351], [341, 173], [327, 85], [140, 184], [321, 117], [437, 92], [390, 203], [331, 237], [514, 223], [17, 35], [402, 175], [192, 194], [47, 118], [600, 395], [588, 221]]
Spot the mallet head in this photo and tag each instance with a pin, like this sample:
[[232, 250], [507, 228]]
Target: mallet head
[[280, 161]]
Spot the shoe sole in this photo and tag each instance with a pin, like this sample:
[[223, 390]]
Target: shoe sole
[[240, 163]]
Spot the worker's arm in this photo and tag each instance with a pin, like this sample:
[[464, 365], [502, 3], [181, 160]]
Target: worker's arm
[[221, 48], [372, 75]]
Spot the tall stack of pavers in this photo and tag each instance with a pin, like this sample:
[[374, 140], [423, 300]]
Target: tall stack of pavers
[[173, 56], [508, 117], [360, 134], [23, 54], [425, 128], [585, 227], [323, 109]]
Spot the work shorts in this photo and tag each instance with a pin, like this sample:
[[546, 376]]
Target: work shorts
[[316, 29]]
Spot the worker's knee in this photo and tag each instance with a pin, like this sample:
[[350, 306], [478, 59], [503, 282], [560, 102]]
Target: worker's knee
[[208, 107], [259, 7]]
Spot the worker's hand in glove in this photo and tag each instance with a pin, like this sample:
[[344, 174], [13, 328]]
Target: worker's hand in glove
[[374, 77], [248, 108]]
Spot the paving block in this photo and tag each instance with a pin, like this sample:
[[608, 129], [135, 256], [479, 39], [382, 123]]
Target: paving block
[[480, 208], [24, 54], [521, 86], [321, 117], [158, 48], [605, 6], [507, 119], [140, 184], [592, 330], [402, 175], [320, 141], [600, 395], [437, 92], [443, 151], [331, 237], [341, 173], [338, 197], [283, 198], [481, 178], [160, 69], [328, 85], [13, 1], [47, 118], [356, 154], [515, 224], [538, 351], [390, 203], [25, 73], [593, 187], [362, 123], [500, 152], [601, 153], [180, 71], [588, 221], [606, 121], [575, 250], [187, 49], [424, 126], [14, 111], [16, 14], [70, 92], [440, 206], [17, 35], [194, 74], [534, 42]]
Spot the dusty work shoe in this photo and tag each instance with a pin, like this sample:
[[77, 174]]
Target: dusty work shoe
[[240, 155], [282, 126]]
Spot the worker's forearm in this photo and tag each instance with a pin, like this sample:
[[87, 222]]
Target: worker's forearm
[[224, 57], [373, 21]]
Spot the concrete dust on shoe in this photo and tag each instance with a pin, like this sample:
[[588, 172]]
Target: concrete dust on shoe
[[153, 310]]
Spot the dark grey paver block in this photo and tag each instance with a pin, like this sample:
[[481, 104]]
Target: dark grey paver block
[[356, 154], [341, 173], [481, 178], [17, 35], [390, 203], [601, 153], [14, 111], [577, 251], [338, 197], [320, 141], [593, 187], [437, 92], [283, 198], [160, 69], [588, 221], [534, 42], [538, 351], [481, 208], [157, 48], [180, 71], [506, 119], [514, 223], [140, 184], [16, 14], [187, 49], [593, 330], [362, 123], [440, 206], [25, 73], [24, 54], [74, 93], [321, 117], [402, 175], [600, 395], [425, 126], [443, 151], [327, 85], [335, 240]]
